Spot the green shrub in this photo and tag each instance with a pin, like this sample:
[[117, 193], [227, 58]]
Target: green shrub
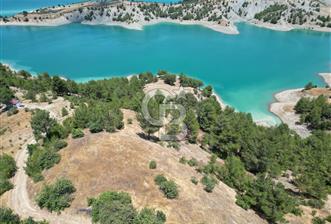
[[8, 217], [59, 144], [12, 111], [173, 144], [31, 221], [149, 216], [5, 185], [57, 131], [194, 180], [7, 166], [64, 112], [328, 218], [182, 160], [209, 183], [3, 130], [57, 196], [169, 189], [318, 220], [77, 133], [192, 162], [169, 79], [39, 160], [43, 98], [112, 207], [7, 170], [152, 164], [95, 127], [41, 123], [207, 91], [309, 86], [315, 203], [189, 82], [160, 179], [162, 217]]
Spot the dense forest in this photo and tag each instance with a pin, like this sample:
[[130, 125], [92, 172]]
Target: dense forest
[[266, 152]]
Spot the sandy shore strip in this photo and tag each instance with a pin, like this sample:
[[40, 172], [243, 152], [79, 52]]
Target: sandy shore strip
[[50, 22], [231, 29], [287, 27], [326, 77], [283, 108]]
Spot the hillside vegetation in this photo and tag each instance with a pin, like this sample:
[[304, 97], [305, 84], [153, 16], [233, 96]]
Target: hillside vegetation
[[267, 152], [311, 13]]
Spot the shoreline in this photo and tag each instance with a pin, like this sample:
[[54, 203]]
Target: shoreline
[[232, 29], [326, 77], [287, 27], [139, 26], [283, 106], [284, 102]]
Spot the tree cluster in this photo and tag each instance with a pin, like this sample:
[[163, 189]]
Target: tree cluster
[[7, 171], [316, 113], [271, 14], [168, 187], [7, 216], [57, 196], [116, 207]]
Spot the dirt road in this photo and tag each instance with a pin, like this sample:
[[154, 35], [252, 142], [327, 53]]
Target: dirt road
[[20, 202]]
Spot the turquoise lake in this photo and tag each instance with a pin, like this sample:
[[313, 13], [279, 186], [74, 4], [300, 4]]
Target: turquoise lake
[[245, 70]]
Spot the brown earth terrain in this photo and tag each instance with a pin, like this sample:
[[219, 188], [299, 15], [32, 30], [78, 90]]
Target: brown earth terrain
[[15, 130], [119, 161]]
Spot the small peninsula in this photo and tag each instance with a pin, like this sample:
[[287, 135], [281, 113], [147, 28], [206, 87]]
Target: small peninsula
[[286, 101], [220, 16]]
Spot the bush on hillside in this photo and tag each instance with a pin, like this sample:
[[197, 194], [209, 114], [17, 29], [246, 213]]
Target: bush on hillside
[[56, 197], [168, 187], [152, 164], [77, 133]]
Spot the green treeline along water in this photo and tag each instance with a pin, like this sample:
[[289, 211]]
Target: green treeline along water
[[11, 7], [245, 70]]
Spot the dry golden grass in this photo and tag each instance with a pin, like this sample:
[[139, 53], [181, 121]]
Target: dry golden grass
[[119, 161], [17, 131]]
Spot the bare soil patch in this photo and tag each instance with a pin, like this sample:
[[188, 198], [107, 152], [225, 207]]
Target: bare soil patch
[[16, 130]]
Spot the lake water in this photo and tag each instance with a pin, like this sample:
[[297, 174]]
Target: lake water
[[246, 69]]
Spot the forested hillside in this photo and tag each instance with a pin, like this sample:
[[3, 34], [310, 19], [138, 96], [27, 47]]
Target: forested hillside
[[266, 152]]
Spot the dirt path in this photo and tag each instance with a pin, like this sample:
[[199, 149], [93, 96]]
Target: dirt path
[[20, 202]]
